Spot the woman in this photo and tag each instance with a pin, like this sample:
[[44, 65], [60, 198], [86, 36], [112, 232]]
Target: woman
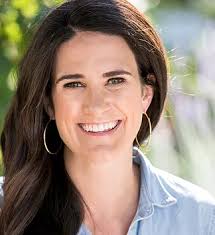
[[92, 85]]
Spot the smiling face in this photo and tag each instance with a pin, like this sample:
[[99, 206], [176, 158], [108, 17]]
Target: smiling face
[[95, 81]]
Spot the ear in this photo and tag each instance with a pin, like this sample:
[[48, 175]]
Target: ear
[[49, 108], [147, 95]]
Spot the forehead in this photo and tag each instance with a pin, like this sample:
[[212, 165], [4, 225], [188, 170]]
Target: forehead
[[87, 50]]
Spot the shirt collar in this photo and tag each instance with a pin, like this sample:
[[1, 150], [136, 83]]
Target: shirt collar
[[152, 191]]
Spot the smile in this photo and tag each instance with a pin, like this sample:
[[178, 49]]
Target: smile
[[100, 129]]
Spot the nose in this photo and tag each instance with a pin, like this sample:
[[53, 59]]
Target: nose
[[96, 101]]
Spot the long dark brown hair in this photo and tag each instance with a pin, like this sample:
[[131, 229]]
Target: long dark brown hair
[[39, 196]]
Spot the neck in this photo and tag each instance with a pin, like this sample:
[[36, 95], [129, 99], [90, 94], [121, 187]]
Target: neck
[[109, 187]]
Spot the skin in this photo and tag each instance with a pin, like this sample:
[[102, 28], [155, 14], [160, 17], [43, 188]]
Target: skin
[[100, 166]]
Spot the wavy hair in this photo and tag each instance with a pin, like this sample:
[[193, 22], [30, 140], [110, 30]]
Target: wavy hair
[[39, 196]]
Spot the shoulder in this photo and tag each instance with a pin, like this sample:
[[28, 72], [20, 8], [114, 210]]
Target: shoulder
[[184, 189], [193, 201]]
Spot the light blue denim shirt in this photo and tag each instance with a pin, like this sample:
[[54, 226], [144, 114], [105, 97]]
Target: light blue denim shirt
[[168, 205]]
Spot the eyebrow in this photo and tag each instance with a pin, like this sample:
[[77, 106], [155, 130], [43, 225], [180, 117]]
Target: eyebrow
[[105, 75]]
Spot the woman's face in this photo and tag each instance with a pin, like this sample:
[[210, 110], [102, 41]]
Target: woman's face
[[96, 81]]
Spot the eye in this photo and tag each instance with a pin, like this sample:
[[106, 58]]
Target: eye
[[72, 84], [117, 80], [114, 81]]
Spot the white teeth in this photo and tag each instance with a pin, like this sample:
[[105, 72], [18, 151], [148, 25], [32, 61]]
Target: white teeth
[[99, 127], [95, 128]]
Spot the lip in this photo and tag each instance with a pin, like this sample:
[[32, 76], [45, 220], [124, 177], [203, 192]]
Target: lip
[[103, 133]]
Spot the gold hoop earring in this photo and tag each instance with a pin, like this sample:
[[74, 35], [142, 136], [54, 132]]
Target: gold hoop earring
[[44, 140], [142, 147]]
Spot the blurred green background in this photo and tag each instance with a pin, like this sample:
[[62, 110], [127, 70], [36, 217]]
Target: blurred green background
[[184, 141]]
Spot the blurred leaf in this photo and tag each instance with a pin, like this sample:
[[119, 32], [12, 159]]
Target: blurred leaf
[[10, 16], [12, 80], [13, 32], [29, 8], [11, 51], [51, 3]]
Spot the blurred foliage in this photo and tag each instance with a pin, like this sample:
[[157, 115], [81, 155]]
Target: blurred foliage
[[177, 144], [18, 19]]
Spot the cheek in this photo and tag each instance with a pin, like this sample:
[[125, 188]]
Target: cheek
[[66, 116], [65, 108], [134, 108], [133, 100]]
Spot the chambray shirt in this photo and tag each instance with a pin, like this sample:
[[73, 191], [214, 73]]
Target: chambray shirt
[[168, 205]]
